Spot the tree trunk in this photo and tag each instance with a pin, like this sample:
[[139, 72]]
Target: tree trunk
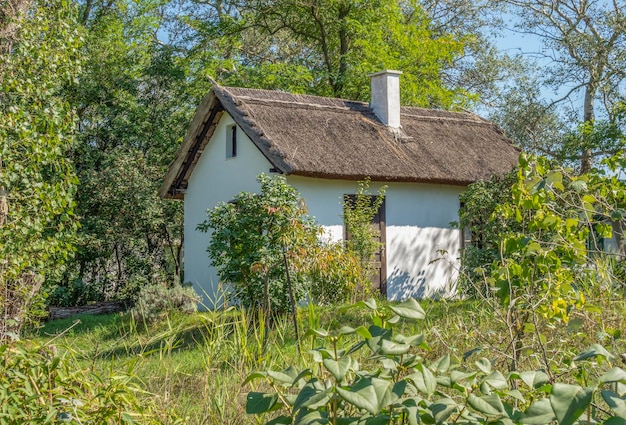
[[586, 157]]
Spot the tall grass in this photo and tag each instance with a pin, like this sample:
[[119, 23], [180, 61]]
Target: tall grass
[[195, 364]]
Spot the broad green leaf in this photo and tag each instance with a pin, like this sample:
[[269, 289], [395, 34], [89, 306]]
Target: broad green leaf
[[442, 364], [411, 410], [496, 380], [615, 420], [579, 186], [370, 303], [316, 332], [340, 368], [253, 376], [390, 348], [361, 331], [281, 420], [286, 376], [534, 379], [592, 351], [376, 420], [442, 409], [484, 365], [378, 335], [614, 375], [471, 352], [257, 403], [423, 379], [569, 402], [312, 395], [490, 405], [539, 413], [314, 417], [363, 394], [393, 393], [615, 402], [413, 340], [456, 376], [409, 309]]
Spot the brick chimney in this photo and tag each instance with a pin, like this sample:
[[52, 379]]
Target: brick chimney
[[386, 97]]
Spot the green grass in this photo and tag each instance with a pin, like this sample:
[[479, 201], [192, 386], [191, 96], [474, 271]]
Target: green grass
[[195, 364]]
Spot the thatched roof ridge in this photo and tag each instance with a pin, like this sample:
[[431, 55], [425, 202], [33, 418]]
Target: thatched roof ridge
[[341, 139]]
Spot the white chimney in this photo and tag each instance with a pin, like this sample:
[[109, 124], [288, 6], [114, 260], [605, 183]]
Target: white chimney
[[386, 97]]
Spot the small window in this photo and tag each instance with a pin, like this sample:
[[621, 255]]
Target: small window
[[231, 142]]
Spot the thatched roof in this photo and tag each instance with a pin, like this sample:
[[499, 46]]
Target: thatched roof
[[339, 139]]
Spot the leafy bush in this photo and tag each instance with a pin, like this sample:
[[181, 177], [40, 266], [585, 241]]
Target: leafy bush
[[263, 242], [395, 385], [155, 301], [358, 212], [39, 386]]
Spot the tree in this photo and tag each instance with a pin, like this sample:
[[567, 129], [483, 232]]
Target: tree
[[585, 43], [39, 61], [328, 47], [133, 107]]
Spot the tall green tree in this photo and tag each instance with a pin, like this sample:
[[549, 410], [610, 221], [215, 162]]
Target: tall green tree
[[585, 46], [132, 111], [39, 45], [327, 47]]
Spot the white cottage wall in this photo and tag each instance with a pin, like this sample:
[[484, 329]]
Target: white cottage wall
[[418, 218], [214, 179]]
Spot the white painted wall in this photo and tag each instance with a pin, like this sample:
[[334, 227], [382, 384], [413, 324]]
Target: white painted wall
[[418, 218], [216, 178]]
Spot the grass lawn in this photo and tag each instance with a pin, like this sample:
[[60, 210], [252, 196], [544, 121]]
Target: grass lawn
[[195, 364]]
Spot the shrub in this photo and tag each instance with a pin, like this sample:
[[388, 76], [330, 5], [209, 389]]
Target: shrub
[[39, 386], [155, 301], [394, 384]]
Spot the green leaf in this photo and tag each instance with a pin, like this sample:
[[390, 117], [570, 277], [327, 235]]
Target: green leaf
[[366, 394], [253, 376], [539, 413], [370, 303], [423, 379], [361, 331], [363, 398], [287, 376], [569, 402], [389, 348], [594, 350], [615, 420], [456, 376], [614, 375], [490, 405], [442, 409], [413, 340], [316, 332], [442, 364], [484, 365], [579, 186], [496, 380], [340, 368], [615, 402], [257, 403], [315, 417], [313, 395], [409, 309], [534, 379], [281, 420]]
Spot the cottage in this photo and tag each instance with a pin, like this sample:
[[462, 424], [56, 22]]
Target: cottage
[[324, 146]]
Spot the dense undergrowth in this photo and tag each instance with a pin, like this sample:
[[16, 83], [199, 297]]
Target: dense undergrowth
[[193, 366]]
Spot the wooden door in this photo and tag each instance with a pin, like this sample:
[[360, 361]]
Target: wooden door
[[379, 279]]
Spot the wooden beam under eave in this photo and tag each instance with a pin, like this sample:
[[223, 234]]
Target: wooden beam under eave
[[200, 119]]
